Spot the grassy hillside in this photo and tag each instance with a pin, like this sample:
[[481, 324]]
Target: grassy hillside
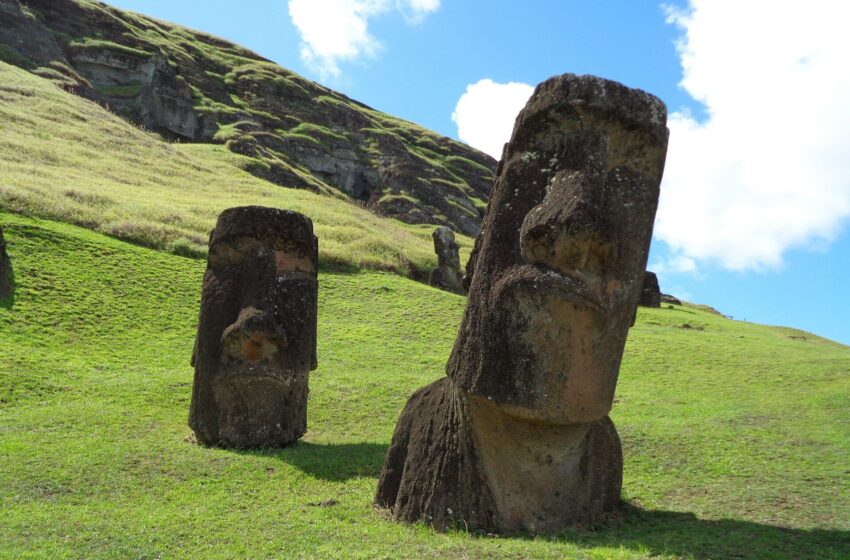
[[736, 435], [289, 130], [69, 159]]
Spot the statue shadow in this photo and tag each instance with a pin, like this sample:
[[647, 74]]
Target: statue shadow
[[332, 462], [660, 533]]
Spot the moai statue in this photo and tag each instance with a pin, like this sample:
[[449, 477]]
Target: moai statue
[[517, 437], [256, 338], [650, 295], [447, 276], [5, 269]]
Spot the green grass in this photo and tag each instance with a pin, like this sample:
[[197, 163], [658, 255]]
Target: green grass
[[735, 435], [161, 195], [127, 91]]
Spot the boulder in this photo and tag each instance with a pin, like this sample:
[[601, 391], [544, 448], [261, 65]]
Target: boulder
[[667, 298], [650, 295], [447, 276], [256, 341], [517, 437]]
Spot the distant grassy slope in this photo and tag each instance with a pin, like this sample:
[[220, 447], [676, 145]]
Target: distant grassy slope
[[736, 435], [292, 131], [66, 158]]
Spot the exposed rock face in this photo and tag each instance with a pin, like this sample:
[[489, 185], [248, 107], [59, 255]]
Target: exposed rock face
[[650, 295], [256, 338], [518, 438], [447, 276], [5, 269], [297, 133]]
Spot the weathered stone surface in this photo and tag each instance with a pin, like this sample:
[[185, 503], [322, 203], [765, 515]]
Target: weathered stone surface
[[518, 438], [256, 338], [650, 294], [447, 276], [5, 269]]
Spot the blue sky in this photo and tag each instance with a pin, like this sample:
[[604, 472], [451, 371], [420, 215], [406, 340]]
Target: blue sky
[[754, 217]]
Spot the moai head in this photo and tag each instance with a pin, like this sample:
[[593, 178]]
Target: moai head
[[560, 258], [446, 248], [257, 329]]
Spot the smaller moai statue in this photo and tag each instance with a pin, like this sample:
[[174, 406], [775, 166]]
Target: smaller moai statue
[[650, 294], [256, 341], [447, 276], [5, 269]]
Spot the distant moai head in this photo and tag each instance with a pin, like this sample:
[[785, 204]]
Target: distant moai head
[[560, 260], [446, 248], [5, 269], [257, 329]]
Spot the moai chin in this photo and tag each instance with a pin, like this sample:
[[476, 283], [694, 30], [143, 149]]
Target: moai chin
[[447, 275], [256, 339], [517, 437]]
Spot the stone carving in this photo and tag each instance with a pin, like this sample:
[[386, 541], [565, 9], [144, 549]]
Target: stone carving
[[650, 295], [517, 437], [5, 269], [447, 276], [256, 338]]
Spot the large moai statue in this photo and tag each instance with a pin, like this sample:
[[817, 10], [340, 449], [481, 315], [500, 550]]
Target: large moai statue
[[517, 437], [256, 339], [650, 294], [447, 276], [5, 269]]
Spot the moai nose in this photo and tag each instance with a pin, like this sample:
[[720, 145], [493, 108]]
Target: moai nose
[[568, 231], [253, 338]]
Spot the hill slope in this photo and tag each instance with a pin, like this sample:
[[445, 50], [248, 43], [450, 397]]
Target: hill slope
[[192, 86], [735, 435], [69, 159]]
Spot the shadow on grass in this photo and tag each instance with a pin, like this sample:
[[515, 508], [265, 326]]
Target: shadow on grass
[[684, 535], [334, 462]]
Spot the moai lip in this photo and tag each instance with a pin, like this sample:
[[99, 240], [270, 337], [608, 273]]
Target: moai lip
[[524, 442], [256, 341], [447, 275]]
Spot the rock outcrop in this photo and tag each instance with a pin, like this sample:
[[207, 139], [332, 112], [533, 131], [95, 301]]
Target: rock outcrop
[[518, 438], [256, 340], [650, 295], [5, 270], [191, 86], [667, 298], [447, 276]]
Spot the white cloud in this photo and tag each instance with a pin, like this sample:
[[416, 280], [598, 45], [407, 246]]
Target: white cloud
[[769, 168], [486, 112], [334, 31]]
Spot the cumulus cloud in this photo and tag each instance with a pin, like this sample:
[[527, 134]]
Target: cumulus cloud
[[486, 112], [768, 168], [334, 31]]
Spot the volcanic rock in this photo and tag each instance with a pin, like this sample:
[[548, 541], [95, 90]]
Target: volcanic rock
[[518, 438], [650, 295], [256, 338], [447, 276]]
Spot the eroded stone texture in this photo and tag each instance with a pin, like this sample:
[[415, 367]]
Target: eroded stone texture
[[518, 438], [5, 269], [447, 276], [650, 294], [256, 338]]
